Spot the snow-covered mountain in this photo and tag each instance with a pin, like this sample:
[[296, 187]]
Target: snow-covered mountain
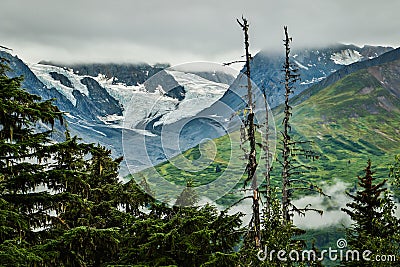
[[314, 64], [317, 68], [151, 112], [155, 100], [102, 102]]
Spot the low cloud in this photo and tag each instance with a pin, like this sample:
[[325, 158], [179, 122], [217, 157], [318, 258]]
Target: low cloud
[[179, 31], [331, 207]]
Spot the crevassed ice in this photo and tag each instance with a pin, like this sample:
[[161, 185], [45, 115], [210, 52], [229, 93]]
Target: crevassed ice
[[200, 94], [43, 73], [346, 57]]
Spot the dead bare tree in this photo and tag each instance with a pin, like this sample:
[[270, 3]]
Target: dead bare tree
[[248, 134], [267, 157], [291, 149], [290, 78], [251, 167]]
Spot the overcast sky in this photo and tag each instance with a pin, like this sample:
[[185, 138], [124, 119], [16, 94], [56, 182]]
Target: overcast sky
[[178, 31]]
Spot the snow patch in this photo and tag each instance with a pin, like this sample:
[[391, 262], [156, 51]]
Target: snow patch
[[119, 91], [313, 80], [80, 124], [144, 132], [145, 106], [346, 57], [43, 73], [139, 104], [111, 119], [300, 65]]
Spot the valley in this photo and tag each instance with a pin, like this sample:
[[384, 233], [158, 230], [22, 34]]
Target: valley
[[350, 116], [199, 133], [350, 110]]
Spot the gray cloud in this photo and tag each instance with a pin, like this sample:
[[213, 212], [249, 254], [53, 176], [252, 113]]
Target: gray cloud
[[178, 31], [332, 213], [331, 207]]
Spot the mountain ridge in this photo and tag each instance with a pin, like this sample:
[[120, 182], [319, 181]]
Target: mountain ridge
[[353, 120], [334, 77], [95, 105], [314, 64], [103, 96]]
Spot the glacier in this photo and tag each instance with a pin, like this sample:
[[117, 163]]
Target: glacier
[[141, 104], [346, 57]]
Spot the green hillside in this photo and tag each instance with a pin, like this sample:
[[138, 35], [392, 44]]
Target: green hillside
[[349, 122], [221, 156]]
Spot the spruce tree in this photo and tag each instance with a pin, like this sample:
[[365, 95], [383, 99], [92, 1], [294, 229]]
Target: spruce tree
[[394, 176], [182, 236], [23, 150], [87, 220], [375, 226], [60, 203]]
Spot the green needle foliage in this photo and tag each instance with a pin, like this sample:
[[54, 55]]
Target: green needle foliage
[[183, 236], [375, 226], [394, 175]]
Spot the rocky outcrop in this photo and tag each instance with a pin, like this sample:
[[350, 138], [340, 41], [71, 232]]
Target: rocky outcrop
[[62, 78], [103, 103], [129, 74]]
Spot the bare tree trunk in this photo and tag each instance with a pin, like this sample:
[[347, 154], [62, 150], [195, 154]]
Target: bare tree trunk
[[268, 157], [292, 148], [252, 156], [286, 136]]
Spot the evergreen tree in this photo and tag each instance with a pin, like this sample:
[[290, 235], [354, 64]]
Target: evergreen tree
[[188, 197], [86, 222], [277, 235], [395, 170], [22, 152], [62, 204], [375, 226], [182, 236], [394, 175], [59, 202]]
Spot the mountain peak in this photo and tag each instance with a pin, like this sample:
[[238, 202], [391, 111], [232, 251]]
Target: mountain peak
[[315, 65]]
